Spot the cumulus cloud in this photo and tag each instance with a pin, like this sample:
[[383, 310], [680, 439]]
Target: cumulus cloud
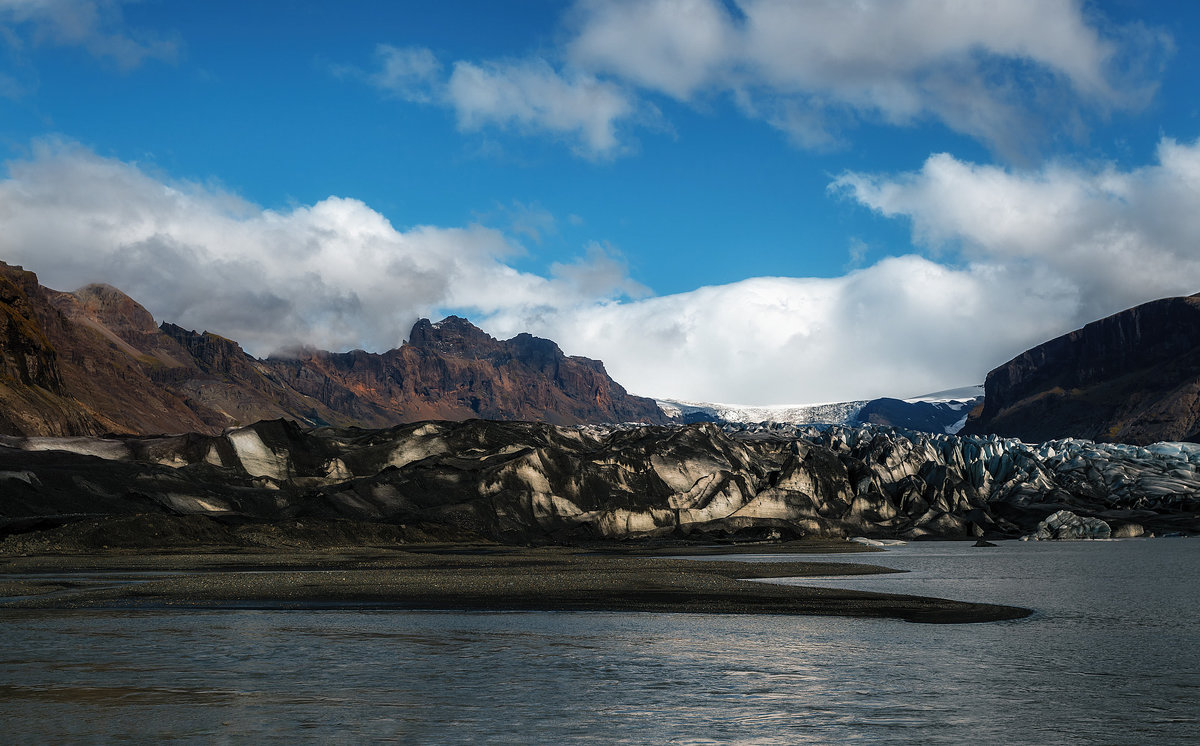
[[95, 25], [335, 274], [810, 68], [1014, 258], [532, 96], [528, 96], [901, 327], [673, 46], [1115, 237]]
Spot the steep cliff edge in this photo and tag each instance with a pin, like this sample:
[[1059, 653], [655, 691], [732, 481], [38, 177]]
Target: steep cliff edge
[[1133, 377]]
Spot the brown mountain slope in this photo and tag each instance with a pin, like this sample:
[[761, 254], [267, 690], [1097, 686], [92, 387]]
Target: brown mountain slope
[[1133, 377], [93, 361], [99, 386], [33, 396]]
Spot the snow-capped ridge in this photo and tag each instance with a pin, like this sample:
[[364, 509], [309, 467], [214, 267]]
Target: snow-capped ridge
[[940, 411], [798, 414]]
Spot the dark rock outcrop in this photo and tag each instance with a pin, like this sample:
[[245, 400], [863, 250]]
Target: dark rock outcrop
[[1133, 377]]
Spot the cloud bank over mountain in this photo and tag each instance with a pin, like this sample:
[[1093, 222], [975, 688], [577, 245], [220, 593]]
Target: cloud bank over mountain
[[334, 274], [1014, 257]]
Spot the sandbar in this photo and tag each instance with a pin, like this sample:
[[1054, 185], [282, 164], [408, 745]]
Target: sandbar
[[485, 577]]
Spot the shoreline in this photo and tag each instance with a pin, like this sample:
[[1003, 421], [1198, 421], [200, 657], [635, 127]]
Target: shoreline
[[465, 577]]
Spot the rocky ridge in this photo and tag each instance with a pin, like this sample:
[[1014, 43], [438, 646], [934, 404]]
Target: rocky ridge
[[453, 370], [533, 482]]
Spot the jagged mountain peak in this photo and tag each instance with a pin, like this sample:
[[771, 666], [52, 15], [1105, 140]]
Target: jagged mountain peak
[[450, 333]]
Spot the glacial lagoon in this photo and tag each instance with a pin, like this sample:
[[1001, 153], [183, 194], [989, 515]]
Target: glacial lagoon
[[1112, 655]]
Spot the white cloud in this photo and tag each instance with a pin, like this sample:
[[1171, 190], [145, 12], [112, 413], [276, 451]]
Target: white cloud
[[335, 274], [529, 96], [1034, 254], [95, 25], [1019, 257], [1005, 73], [674, 46], [901, 327], [1117, 237], [601, 273], [810, 68]]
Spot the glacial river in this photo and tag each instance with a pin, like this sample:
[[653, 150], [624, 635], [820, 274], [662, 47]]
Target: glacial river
[[1111, 656]]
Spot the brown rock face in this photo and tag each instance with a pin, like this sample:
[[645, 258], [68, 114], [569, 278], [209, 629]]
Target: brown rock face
[[1133, 377], [453, 370], [93, 361]]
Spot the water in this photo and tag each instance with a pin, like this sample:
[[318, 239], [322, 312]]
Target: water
[[1111, 656]]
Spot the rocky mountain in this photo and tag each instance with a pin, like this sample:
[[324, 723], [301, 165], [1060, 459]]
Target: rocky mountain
[[93, 361], [1133, 377], [453, 370], [535, 482]]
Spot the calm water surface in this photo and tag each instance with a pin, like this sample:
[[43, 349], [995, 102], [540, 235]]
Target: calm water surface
[[1111, 656]]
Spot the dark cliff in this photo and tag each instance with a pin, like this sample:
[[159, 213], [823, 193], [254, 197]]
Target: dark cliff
[[1133, 377]]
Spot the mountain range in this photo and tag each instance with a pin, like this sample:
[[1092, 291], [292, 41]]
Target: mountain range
[[93, 361], [316, 435]]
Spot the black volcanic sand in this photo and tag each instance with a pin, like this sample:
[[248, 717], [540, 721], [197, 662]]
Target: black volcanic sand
[[457, 577]]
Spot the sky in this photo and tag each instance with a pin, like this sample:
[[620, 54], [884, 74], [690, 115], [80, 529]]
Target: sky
[[740, 201]]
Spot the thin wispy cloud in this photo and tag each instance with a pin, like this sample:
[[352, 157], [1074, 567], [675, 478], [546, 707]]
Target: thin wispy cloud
[[97, 26], [528, 96]]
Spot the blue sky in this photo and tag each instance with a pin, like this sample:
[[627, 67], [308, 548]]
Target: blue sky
[[755, 202]]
